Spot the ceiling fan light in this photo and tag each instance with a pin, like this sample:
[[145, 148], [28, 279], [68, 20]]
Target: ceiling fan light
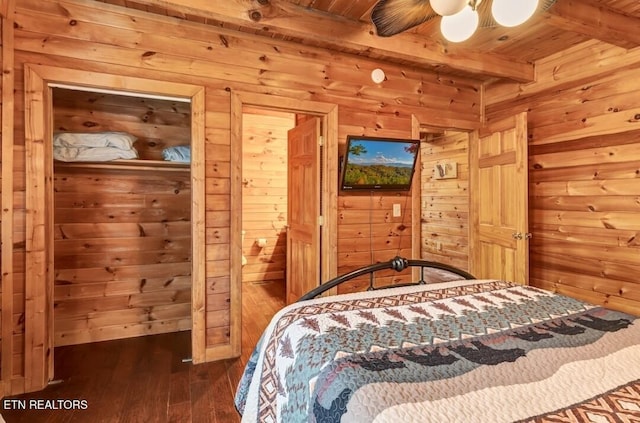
[[513, 12], [461, 26], [448, 7]]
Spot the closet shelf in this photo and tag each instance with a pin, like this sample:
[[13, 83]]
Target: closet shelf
[[127, 164]]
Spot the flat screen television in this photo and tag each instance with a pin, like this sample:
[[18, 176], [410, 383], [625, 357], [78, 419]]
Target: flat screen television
[[373, 163]]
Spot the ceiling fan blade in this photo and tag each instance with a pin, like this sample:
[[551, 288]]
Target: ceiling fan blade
[[392, 17]]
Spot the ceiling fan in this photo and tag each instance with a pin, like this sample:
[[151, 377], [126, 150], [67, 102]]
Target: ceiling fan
[[459, 18]]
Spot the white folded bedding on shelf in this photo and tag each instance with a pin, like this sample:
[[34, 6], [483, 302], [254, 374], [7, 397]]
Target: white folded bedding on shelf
[[95, 147]]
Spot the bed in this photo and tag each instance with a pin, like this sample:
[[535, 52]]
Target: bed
[[448, 348]]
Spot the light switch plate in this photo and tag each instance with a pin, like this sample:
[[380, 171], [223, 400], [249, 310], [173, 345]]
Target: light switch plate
[[396, 210]]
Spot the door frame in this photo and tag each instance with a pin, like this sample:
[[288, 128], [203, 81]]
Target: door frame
[[328, 113], [39, 319]]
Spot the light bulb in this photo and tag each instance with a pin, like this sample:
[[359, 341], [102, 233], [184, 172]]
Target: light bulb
[[461, 26], [513, 12], [377, 75], [448, 7]]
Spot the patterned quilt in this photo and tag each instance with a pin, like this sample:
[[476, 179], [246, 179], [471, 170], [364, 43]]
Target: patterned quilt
[[464, 351]]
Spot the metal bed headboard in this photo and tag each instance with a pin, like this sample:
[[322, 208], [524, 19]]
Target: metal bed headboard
[[397, 263]]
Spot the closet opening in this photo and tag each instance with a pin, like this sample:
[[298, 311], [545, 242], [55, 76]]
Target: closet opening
[[122, 215], [115, 248]]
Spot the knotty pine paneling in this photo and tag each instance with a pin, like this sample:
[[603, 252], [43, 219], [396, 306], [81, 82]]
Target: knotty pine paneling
[[445, 202], [584, 167], [6, 284], [122, 253], [96, 37], [369, 233], [264, 193], [156, 123]]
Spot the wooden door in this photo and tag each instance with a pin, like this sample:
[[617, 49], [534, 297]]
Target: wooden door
[[499, 201], [303, 234]]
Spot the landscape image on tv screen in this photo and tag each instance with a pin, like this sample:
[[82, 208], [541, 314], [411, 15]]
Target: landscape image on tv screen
[[379, 164]]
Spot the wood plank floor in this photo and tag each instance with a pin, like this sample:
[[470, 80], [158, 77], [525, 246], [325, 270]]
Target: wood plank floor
[[145, 380]]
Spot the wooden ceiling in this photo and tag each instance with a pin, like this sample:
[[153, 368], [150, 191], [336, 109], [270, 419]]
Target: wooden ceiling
[[345, 26]]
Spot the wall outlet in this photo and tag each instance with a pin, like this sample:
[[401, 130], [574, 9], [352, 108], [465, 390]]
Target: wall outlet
[[396, 210]]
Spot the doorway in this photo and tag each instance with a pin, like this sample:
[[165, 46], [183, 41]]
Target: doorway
[[264, 217], [264, 194], [327, 114], [280, 199]]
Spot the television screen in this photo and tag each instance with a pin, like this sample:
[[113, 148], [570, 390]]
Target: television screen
[[372, 163]]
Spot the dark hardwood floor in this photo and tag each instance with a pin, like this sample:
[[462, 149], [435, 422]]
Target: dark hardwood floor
[[144, 379]]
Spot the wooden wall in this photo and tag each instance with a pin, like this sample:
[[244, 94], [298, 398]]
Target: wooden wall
[[156, 123], [13, 224], [584, 167], [264, 193], [94, 37], [369, 233], [445, 202], [122, 252], [5, 293]]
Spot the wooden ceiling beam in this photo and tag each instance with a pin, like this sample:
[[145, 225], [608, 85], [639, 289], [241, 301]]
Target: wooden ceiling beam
[[291, 20], [596, 21]]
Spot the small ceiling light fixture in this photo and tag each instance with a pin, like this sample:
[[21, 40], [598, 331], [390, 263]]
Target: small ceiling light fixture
[[448, 7], [377, 75], [461, 26], [513, 12]]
